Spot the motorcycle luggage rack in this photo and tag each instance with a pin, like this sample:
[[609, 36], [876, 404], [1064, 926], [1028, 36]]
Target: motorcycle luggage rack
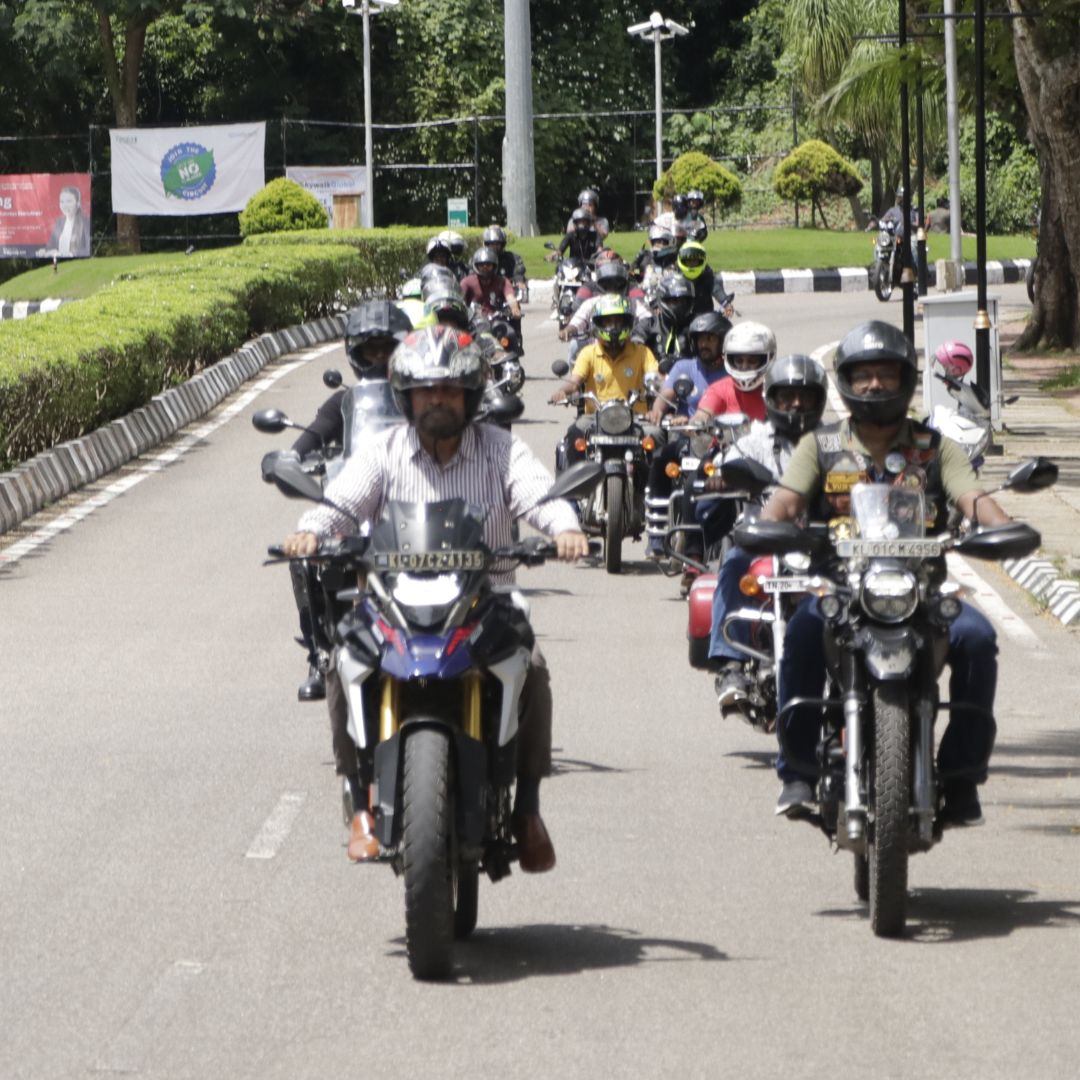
[[751, 616], [680, 557]]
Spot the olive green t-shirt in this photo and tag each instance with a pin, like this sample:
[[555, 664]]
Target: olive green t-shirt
[[803, 474]]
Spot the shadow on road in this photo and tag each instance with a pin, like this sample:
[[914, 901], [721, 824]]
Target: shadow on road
[[508, 954], [756, 759], [564, 766], [945, 916], [1063, 744]]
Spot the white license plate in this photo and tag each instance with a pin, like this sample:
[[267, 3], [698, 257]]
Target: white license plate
[[616, 440], [786, 584], [912, 547], [690, 464]]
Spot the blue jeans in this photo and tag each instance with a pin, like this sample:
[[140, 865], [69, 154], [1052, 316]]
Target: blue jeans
[[972, 659], [727, 598]]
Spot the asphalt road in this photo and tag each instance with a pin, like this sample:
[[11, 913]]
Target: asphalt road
[[175, 899]]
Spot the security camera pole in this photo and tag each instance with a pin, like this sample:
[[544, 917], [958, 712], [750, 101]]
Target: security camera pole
[[658, 29], [367, 10]]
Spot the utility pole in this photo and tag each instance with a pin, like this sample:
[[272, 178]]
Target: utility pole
[[952, 123], [519, 165]]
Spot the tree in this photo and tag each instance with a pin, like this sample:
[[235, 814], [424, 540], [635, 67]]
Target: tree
[[720, 187], [814, 170], [1047, 53]]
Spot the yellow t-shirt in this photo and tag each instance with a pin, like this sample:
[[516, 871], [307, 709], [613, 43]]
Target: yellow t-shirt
[[610, 378]]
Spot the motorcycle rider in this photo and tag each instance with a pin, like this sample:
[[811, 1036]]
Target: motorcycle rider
[[749, 350], [674, 309], [487, 288], [876, 373], [456, 242], [704, 366], [372, 332], [694, 222], [611, 367], [693, 263], [589, 200], [438, 254], [610, 276], [437, 376], [795, 392], [511, 266], [658, 255], [581, 241], [895, 214]]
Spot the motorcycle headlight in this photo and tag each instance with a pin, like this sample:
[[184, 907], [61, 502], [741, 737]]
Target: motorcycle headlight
[[798, 561], [615, 419], [889, 595]]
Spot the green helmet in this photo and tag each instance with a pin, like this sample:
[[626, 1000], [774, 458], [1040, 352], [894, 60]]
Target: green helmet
[[608, 305]]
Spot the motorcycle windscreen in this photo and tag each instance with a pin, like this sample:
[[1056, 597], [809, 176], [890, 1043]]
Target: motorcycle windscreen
[[888, 512], [368, 408]]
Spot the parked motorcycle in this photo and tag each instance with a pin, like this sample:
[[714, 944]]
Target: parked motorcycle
[[887, 606], [433, 658], [886, 269]]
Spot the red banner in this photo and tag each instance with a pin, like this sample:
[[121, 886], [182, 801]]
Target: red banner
[[43, 215]]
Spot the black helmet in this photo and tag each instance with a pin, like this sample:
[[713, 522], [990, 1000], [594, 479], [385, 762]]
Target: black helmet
[[581, 219], [484, 256], [432, 276], [612, 276], [454, 241], [374, 320], [494, 235], [437, 354], [679, 206], [709, 322], [445, 304], [676, 296], [796, 370], [879, 342], [696, 230]]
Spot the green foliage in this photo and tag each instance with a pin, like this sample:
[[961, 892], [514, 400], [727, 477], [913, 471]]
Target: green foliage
[[282, 206], [721, 187], [815, 169]]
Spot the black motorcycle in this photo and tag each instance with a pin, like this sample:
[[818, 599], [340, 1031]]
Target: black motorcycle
[[885, 273], [887, 605]]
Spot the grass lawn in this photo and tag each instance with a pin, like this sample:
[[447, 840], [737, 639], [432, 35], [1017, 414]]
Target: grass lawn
[[729, 249]]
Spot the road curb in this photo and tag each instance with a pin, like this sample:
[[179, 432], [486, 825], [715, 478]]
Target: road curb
[[20, 309], [68, 466], [1046, 583]]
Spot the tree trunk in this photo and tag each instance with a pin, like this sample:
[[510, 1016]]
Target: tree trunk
[[876, 185], [1051, 88]]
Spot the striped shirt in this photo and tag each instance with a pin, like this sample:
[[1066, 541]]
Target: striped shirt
[[492, 469]]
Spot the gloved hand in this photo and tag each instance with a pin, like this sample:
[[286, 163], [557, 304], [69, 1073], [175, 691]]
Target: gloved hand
[[270, 459]]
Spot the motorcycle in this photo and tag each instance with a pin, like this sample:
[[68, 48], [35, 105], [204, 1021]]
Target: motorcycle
[[887, 606], [886, 269], [433, 658], [569, 277]]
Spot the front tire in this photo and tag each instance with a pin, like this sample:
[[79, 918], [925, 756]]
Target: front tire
[[467, 901], [883, 284], [427, 826], [615, 527], [889, 793]]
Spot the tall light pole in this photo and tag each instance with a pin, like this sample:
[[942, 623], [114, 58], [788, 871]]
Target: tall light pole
[[366, 11], [658, 29], [519, 170]]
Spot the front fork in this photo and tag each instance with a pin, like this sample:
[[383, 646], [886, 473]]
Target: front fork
[[471, 701]]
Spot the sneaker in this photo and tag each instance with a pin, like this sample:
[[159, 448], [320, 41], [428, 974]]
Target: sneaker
[[962, 807], [654, 548], [796, 799], [731, 685]]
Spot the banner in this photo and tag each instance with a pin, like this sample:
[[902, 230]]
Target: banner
[[175, 172], [45, 214], [326, 181]]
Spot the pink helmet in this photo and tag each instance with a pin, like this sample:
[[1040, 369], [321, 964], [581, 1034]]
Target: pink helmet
[[955, 357]]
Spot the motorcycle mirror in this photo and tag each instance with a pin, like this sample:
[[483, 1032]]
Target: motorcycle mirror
[[270, 421], [746, 475], [549, 245], [575, 482], [684, 387], [331, 378], [666, 364], [776, 538], [290, 477], [1013, 540], [500, 408], [1033, 475], [560, 368]]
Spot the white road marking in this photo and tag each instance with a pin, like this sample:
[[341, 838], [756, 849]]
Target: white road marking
[[152, 462], [277, 826]]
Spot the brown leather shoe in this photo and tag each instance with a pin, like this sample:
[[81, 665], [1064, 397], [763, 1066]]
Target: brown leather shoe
[[535, 852], [363, 844]]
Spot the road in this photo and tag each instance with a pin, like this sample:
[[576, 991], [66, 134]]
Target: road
[[175, 901]]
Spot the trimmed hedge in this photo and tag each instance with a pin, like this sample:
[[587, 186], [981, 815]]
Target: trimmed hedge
[[93, 360], [283, 205]]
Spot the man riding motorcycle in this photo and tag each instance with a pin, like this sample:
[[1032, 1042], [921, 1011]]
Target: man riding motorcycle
[[456, 242], [581, 241], [486, 287], [511, 266], [876, 373], [589, 200], [693, 263], [795, 392], [437, 376], [675, 308], [611, 276], [749, 350], [372, 332], [659, 254]]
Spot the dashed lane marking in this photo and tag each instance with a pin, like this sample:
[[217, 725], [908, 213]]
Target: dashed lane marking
[[277, 826]]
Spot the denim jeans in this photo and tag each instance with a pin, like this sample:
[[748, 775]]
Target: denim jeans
[[726, 599], [972, 659]]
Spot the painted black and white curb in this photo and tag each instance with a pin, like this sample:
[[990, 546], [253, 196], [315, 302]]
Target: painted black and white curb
[[19, 309], [65, 468], [1045, 582]]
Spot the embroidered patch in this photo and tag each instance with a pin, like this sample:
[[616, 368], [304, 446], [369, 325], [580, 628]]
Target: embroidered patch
[[829, 441]]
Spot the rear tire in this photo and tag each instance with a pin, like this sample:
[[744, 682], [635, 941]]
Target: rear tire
[[699, 652], [427, 826], [889, 793], [615, 527]]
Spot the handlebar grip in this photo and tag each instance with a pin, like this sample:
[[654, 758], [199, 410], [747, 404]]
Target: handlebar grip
[[276, 551]]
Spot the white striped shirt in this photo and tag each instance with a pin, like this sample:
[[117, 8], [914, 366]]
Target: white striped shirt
[[492, 469]]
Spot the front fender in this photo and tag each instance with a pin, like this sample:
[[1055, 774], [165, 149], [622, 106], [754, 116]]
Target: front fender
[[614, 467], [889, 651]]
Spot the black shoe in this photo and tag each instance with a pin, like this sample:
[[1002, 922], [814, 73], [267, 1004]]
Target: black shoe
[[962, 807], [314, 687], [731, 685]]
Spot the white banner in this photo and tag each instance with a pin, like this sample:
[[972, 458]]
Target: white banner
[[326, 181], [186, 171]]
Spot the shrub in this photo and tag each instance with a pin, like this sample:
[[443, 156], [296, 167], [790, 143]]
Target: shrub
[[282, 206], [812, 171], [721, 188]]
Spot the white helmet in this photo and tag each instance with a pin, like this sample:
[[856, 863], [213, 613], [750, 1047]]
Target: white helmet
[[749, 339]]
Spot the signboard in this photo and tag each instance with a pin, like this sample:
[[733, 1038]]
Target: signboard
[[43, 215], [326, 181], [180, 172], [457, 212]]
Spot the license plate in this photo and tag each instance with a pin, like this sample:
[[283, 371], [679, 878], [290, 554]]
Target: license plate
[[690, 464], [430, 561], [912, 547], [786, 584], [616, 440]]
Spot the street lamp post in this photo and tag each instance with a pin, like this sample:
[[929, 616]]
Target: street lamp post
[[366, 11], [658, 29]]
